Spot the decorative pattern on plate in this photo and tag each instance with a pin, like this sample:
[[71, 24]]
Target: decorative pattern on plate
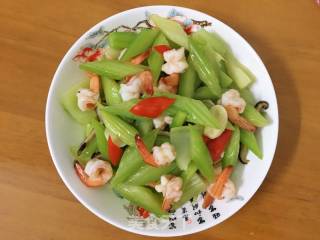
[[96, 40], [191, 212]]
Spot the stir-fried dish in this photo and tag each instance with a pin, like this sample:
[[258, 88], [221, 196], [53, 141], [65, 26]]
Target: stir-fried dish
[[168, 114]]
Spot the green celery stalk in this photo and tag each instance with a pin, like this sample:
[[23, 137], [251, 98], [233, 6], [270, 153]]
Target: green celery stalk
[[162, 139], [236, 72], [69, 102], [144, 126], [181, 139], [200, 155], [254, 116], [248, 139], [205, 66], [155, 60], [171, 29], [111, 91], [213, 40], [147, 174], [89, 129], [143, 197], [197, 111], [204, 93], [87, 152], [140, 44], [187, 81], [113, 69], [225, 80], [178, 119], [191, 189], [118, 127], [247, 95], [131, 160], [101, 139], [188, 173], [121, 40], [230, 157]]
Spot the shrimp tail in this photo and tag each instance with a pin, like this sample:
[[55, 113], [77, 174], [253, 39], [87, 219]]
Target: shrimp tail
[[170, 82], [147, 82], [235, 118], [81, 173], [166, 204], [207, 200]]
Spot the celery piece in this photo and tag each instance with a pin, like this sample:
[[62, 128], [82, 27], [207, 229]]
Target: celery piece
[[118, 127], [254, 116], [197, 111], [155, 59], [200, 155], [188, 173], [205, 67], [147, 174], [113, 69], [143, 197], [187, 81], [248, 139], [87, 152], [191, 189], [230, 157], [236, 72], [69, 102], [247, 95], [111, 91], [144, 125], [181, 140], [162, 139], [225, 80], [131, 160], [203, 93], [121, 40], [89, 129], [178, 119], [140, 44], [101, 139], [171, 29], [213, 40]]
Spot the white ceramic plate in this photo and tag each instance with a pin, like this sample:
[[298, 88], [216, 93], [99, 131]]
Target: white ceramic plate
[[62, 132]]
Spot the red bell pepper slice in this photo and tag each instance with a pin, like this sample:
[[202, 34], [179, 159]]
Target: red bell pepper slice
[[162, 48], [115, 152], [217, 146], [152, 107], [144, 152]]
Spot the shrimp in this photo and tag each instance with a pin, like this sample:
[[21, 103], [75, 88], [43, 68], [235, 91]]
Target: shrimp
[[94, 83], [170, 186], [96, 173], [87, 98], [215, 190], [169, 83], [141, 57], [146, 82], [235, 118]]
